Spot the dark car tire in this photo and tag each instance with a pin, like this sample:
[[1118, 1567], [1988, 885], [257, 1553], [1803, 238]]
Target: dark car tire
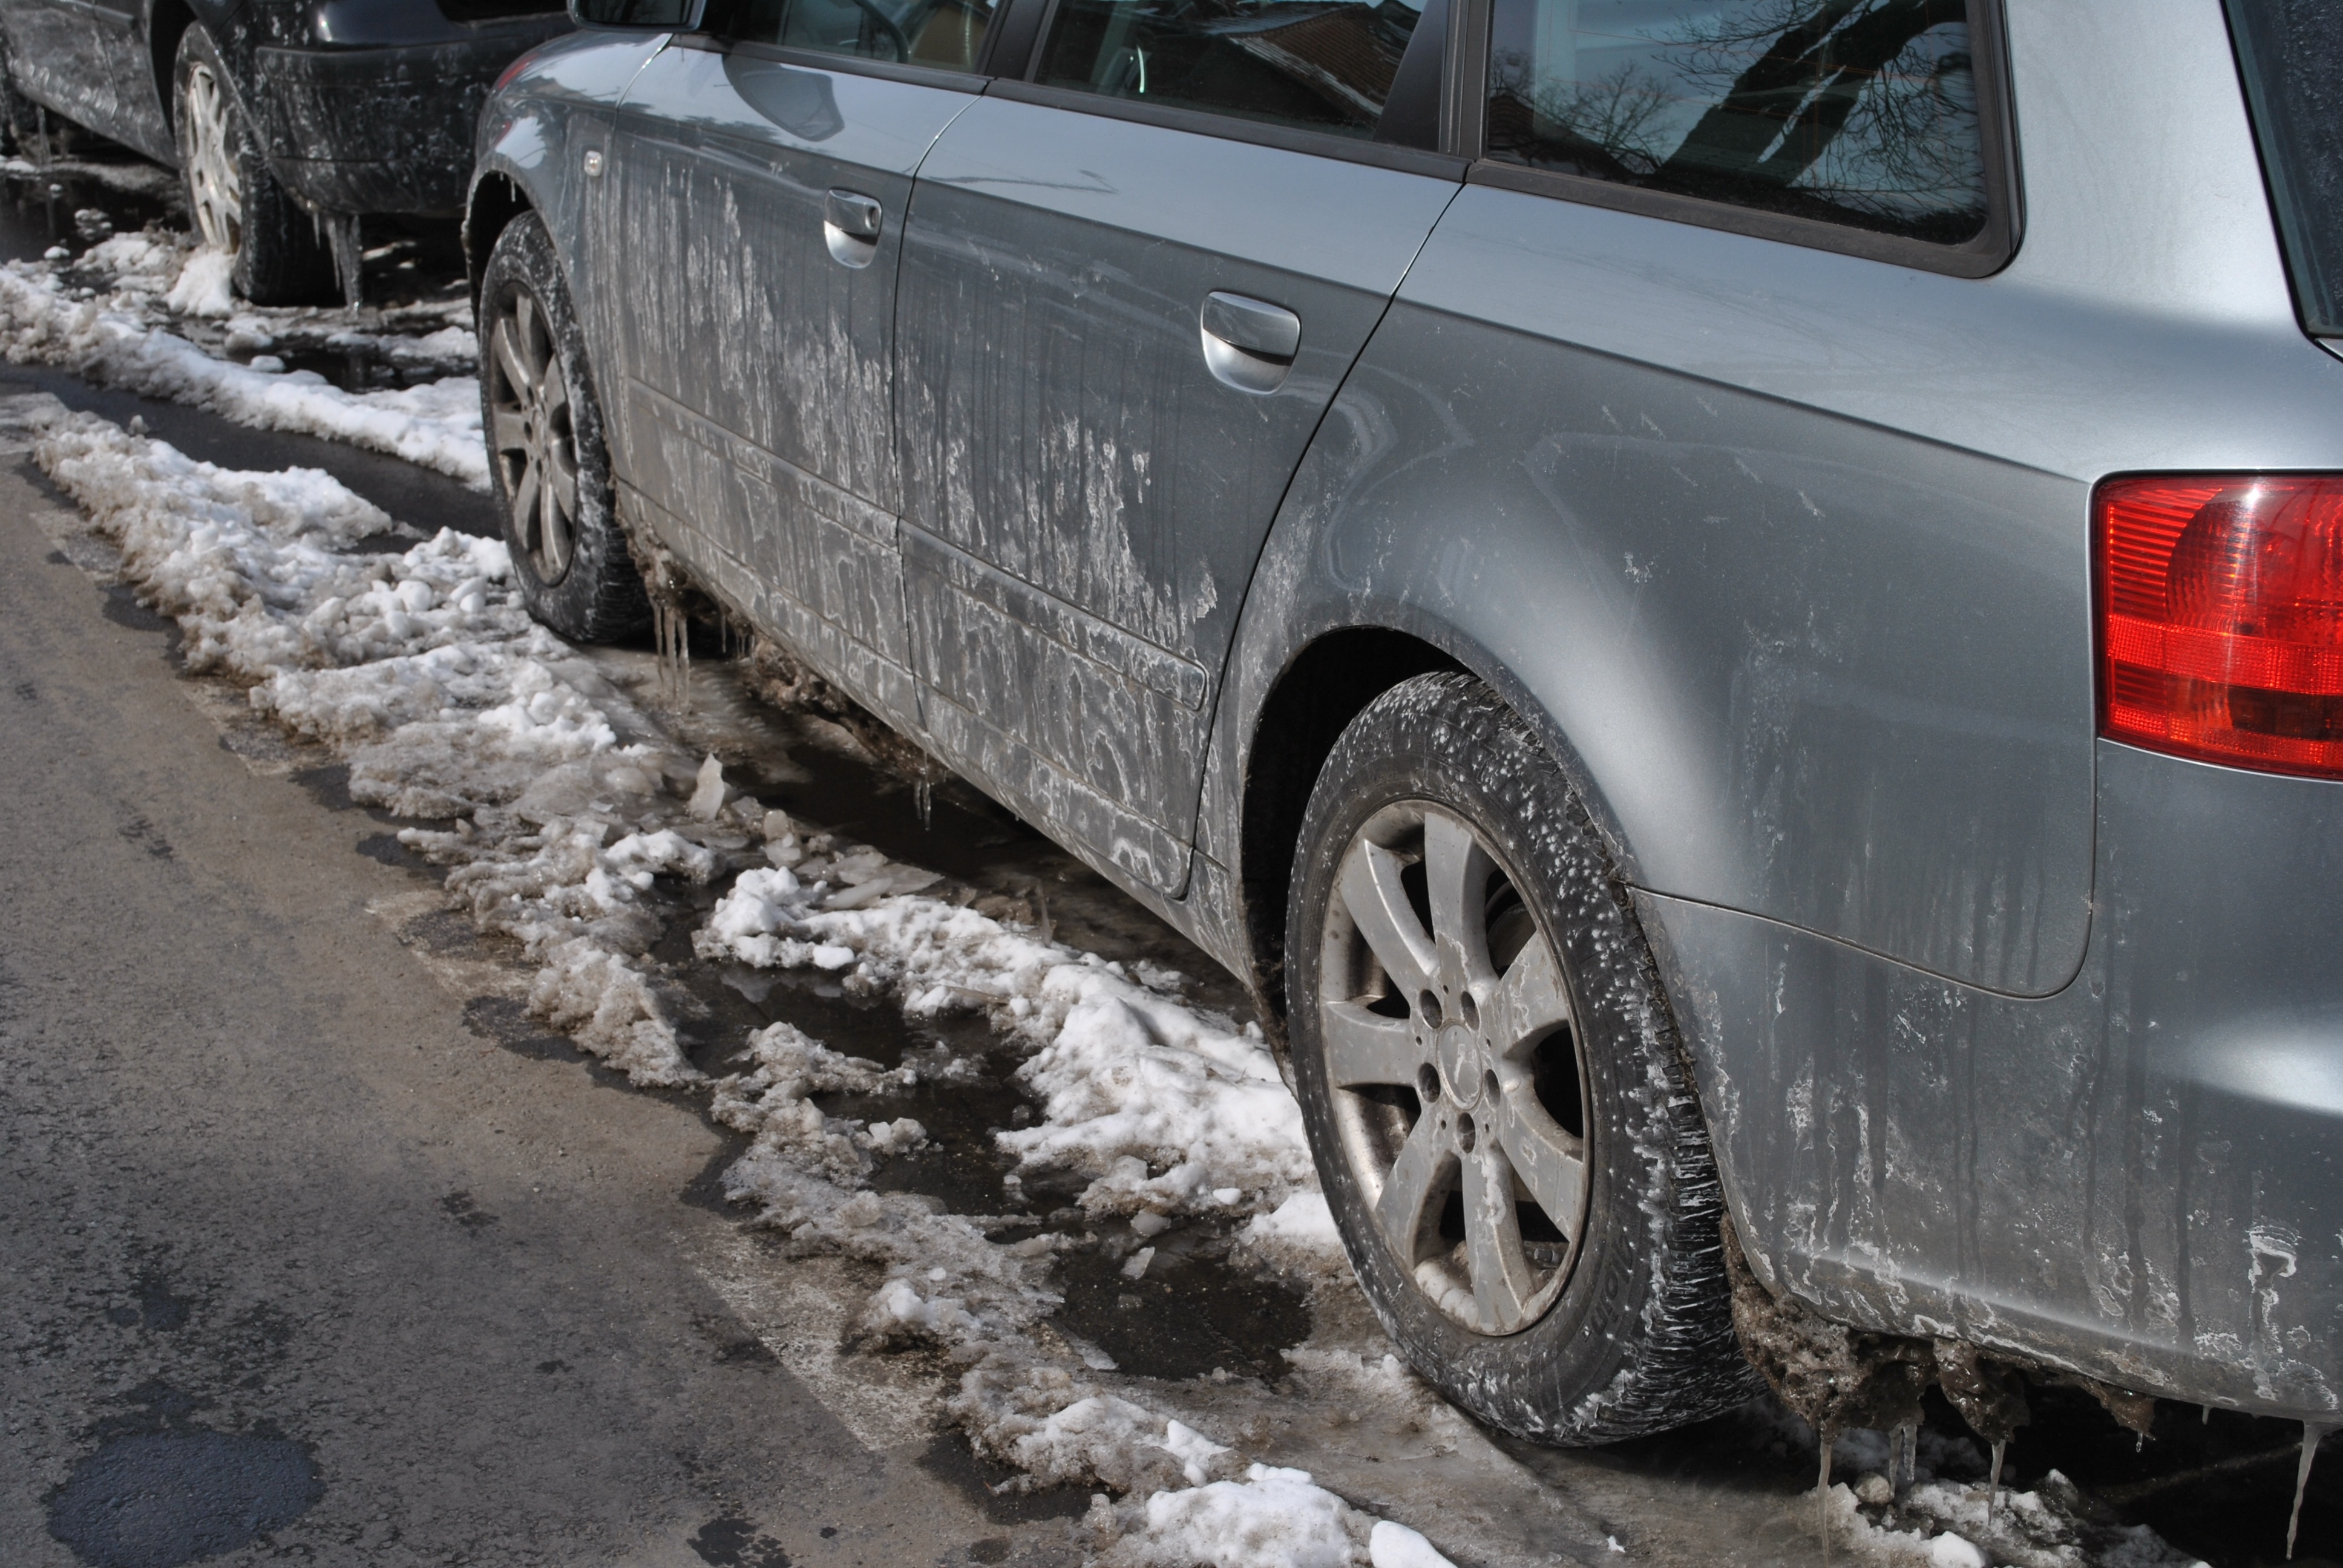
[[1608, 1328], [541, 419], [236, 202]]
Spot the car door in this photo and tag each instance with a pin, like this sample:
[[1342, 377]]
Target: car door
[[763, 168], [1130, 286], [54, 58]]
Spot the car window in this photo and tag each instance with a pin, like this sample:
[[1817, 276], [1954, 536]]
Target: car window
[[944, 34], [2292, 52], [1318, 65], [1856, 112]]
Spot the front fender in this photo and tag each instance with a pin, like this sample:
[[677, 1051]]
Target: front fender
[[557, 104]]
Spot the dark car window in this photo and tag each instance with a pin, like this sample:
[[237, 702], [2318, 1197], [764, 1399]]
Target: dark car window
[[944, 34], [1858, 112], [1318, 65], [2292, 54]]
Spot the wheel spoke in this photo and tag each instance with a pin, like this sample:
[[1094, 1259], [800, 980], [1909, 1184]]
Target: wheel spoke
[[1456, 875], [1411, 1189], [531, 324], [1365, 1048], [1502, 1280], [510, 360], [1530, 1000], [1377, 903], [561, 477], [1550, 1161], [509, 430], [553, 536], [525, 502], [556, 394]]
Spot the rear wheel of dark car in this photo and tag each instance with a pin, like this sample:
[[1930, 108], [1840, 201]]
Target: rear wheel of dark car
[[279, 256], [544, 431], [1491, 1083]]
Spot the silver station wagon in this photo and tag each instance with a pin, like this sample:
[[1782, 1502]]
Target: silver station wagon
[[1732, 609]]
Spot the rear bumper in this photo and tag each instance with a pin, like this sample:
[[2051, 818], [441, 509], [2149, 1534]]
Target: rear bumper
[[385, 130], [2136, 1178]]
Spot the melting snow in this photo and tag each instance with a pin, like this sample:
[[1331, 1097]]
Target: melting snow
[[121, 336]]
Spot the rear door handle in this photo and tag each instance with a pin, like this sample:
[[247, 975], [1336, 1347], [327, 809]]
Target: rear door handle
[[1249, 344], [850, 222]]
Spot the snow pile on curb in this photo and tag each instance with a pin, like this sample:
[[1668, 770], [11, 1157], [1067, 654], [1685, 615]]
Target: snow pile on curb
[[1951, 1524], [422, 668], [1271, 1518], [116, 337], [1168, 1110]]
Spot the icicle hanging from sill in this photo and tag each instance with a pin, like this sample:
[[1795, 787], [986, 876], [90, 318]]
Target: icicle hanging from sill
[[2310, 1439]]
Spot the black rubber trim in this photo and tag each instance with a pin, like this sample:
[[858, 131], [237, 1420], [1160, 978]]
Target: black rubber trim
[[852, 64], [1009, 43], [1988, 254], [1319, 143]]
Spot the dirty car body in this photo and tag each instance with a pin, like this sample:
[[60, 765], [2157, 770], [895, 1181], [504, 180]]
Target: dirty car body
[[1121, 447], [361, 106]]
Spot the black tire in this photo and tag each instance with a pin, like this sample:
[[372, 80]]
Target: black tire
[[280, 257], [589, 590], [1625, 1327]]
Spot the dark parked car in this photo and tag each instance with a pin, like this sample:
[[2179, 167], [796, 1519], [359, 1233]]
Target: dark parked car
[[289, 119], [1733, 609]]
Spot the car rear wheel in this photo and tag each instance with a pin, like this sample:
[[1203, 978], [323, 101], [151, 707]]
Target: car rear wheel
[[238, 206], [544, 429], [1490, 1079]]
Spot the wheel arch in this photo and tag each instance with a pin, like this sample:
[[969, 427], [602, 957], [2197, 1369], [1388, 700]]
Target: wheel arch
[[1325, 679], [498, 198]]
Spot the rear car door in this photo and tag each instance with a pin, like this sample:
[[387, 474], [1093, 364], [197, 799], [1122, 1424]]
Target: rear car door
[[763, 167], [1131, 283]]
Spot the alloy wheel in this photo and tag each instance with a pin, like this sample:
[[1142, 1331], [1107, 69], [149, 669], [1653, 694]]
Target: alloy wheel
[[215, 183], [1458, 1092], [532, 433]]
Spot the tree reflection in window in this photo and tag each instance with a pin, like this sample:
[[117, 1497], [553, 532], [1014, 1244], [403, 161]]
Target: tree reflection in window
[[1860, 112]]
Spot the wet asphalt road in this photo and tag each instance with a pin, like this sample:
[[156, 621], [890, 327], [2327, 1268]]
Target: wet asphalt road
[[295, 1263]]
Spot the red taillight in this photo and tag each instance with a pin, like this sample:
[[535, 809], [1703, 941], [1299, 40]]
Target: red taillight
[[2221, 618]]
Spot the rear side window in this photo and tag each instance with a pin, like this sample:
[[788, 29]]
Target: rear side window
[[2291, 54], [1854, 111], [944, 34], [1307, 63]]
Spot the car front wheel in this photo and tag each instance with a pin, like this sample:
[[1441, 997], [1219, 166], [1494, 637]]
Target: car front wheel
[[1491, 1083], [544, 427]]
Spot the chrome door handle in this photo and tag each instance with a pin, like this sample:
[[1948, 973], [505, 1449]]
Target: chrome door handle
[[1249, 344], [850, 226]]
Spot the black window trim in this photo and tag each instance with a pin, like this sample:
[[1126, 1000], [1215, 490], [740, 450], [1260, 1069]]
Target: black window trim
[[1016, 84], [942, 77], [1230, 127], [1992, 250]]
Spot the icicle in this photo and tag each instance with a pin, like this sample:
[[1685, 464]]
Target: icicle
[[2204, 1416], [1903, 1458], [1822, 1491], [2310, 1437], [1993, 1498], [924, 796]]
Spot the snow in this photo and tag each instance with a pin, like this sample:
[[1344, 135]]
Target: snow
[[122, 337], [1168, 1110], [1273, 1518], [203, 287]]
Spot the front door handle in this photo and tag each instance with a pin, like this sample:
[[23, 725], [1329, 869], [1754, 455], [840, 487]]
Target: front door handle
[[1249, 344], [850, 222]]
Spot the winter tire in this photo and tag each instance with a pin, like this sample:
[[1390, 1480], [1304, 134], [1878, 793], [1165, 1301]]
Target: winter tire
[[236, 202], [1493, 1085], [544, 429]]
